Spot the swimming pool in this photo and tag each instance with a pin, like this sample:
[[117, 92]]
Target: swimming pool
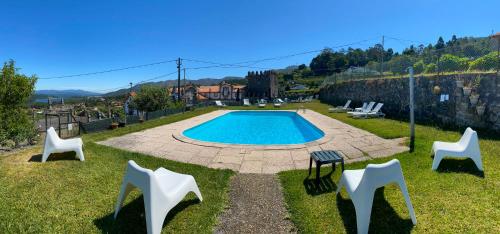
[[256, 128]]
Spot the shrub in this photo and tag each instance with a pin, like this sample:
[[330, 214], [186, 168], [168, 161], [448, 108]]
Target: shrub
[[450, 63], [485, 63], [15, 91], [430, 68], [419, 67], [151, 98]]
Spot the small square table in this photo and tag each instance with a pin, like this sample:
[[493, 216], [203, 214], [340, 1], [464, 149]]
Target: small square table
[[325, 157]]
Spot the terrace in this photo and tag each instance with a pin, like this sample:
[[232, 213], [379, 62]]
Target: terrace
[[65, 195]]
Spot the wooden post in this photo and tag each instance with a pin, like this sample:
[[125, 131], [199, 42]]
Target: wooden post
[[412, 110]]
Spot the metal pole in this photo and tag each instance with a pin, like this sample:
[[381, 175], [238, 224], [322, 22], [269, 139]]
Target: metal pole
[[382, 58], [179, 79], [412, 110]]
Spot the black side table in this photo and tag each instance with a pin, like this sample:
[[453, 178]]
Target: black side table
[[325, 157]]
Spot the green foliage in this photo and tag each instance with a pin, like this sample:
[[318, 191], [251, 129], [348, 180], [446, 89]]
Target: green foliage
[[328, 62], [450, 62], [430, 68], [486, 62], [151, 98], [400, 64], [419, 67], [15, 92]]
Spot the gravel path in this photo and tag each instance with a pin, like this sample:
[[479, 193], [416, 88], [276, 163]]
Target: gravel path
[[256, 206]]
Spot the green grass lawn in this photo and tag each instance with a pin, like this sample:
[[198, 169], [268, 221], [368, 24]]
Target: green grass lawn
[[455, 199], [64, 195]]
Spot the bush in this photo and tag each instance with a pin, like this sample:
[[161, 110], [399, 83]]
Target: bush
[[15, 92], [419, 67], [450, 63], [486, 62], [430, 68], [151, 98]]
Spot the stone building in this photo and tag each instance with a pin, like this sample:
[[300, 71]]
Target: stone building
[[262, 84]]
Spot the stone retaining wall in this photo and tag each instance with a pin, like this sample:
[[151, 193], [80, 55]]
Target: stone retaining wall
[[474, 99]]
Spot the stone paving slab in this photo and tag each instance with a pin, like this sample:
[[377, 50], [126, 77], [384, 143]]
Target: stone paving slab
[[355, 144]]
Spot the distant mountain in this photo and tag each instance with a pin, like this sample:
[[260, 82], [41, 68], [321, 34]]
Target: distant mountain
[[65, 93], [171, 83]]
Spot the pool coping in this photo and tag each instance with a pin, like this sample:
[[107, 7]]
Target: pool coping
[[327, 137]]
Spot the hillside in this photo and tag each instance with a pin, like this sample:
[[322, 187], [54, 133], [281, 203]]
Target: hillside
[[65, 93]]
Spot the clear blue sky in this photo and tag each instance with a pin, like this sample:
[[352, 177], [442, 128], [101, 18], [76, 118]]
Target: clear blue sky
[[54, 38]]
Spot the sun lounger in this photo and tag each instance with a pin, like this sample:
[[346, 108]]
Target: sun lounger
[[366, 110], [220, 104], [359, 109], [246, 102], [373, 113], [344, 108], [262, 103]]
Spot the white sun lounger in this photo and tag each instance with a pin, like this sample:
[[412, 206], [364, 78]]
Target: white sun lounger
[[162, 190], [246, 102], [54, 144], [361, 108], [361, 186], [220, 104], [344, 108], [373, 113], [466, 147], [261, 103], [365, 110]]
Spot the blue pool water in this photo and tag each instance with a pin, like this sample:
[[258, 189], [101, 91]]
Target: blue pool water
[[256, 128]]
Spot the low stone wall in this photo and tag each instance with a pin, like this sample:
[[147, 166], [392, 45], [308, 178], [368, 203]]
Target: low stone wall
[[473, 99]]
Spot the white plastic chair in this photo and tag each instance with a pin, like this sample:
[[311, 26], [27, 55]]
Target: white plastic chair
[[361, 186], [466, 147], [162, 190], [246, 102], [54, 144]]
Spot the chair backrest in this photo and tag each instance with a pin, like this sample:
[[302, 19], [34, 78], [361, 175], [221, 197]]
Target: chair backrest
[[369, 107], [377, 107], [51, 137], [378, 175], [246, 101], [279, 100], [138, 176], [364, 105], [347, 104], [469, 137], [218, 103]]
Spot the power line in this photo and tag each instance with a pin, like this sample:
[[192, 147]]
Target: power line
[[140, 82], [107, 71]]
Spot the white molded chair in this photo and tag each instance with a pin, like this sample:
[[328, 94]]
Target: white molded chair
[[54, 144], [162, 190], [361, 186], [246, 102], [466, 147], [219, 104]]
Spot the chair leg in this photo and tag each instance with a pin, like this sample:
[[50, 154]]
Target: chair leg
[[310, 165], [477, 161], [124, 191], [79, 154], [363, 207], [45, 155], [318, 169], [155, 215], [437, 159], [404, 190], [194, 188]]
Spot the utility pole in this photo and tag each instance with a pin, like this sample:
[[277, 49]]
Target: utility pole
[[179, 63], [382, 54], [412, 110]]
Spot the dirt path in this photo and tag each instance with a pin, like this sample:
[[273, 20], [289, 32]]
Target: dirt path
[[256, 206]]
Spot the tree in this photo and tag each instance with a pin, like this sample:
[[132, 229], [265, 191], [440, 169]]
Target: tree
[[400, 64], [485, 63], [328, 62], [450, 62], [151, 98], [419, 67], [440, 44], [15, 92], [430, 68]]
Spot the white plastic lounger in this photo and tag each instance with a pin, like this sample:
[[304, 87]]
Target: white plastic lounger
[[246, 102], [373, 113], [262, 103], [277, 104], [344, 108], [361, 108], [365, 110], [162, 190], [54, 144], [281, 101], [466, 147], [220, 104], [361, 186]]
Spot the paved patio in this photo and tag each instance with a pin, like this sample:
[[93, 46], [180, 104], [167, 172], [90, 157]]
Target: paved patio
[[167, 142]]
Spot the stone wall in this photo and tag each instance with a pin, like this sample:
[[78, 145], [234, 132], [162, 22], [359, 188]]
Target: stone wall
[[474, 99]]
